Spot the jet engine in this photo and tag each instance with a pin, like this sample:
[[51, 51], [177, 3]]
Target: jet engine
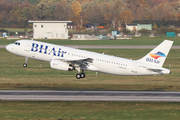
[[59, 65]]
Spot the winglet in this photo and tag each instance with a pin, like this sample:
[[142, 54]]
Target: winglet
[[158, 55]]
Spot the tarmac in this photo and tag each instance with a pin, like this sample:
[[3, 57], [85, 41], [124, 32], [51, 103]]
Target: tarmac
[[41, 95]]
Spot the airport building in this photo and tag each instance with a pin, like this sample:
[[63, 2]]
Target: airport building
[[136, 27], [50, 29]]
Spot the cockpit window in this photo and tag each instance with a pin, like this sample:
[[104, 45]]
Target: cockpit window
[[17, 43]]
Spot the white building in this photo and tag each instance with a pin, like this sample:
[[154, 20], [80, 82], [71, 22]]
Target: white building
[[50, 29], [131, 27], [136, 27]]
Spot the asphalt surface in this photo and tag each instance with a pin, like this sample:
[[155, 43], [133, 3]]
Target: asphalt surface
[[112, 46], [90, 95]]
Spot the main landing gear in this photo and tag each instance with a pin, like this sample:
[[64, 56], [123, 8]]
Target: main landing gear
[[80, 75], [25, 64]]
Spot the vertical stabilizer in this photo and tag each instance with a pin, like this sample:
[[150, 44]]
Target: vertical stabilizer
[[158, 55]]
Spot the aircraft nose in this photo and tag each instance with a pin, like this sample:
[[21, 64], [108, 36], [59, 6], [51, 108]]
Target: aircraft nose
[[8, 47]]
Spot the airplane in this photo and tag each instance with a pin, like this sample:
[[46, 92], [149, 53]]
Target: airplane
[[69, 59]]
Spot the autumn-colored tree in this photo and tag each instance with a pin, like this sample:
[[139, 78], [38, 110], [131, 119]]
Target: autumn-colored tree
[[178, 16], [126, 17], [155, 26], [111, 12], [164, 12], [5, 8], [86, 1], [76, 8], [21, 14], [138, 8], [62, 10], [93, 16], [46, 7], [77, 16]]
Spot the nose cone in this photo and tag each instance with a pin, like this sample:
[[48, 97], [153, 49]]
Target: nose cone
[[8, 47]]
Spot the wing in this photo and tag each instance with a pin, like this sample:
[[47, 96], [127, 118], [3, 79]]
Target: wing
[[79, 62], [83, 64]]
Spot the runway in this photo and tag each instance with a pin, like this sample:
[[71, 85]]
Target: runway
[[112, 46], [90, 95]]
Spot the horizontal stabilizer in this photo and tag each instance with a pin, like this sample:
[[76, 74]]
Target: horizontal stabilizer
[[155, 70]]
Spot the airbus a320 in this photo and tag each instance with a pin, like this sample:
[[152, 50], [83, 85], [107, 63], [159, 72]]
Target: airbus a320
[[69, 59]]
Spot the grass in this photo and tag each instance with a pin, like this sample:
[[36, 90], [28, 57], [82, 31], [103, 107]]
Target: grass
[[16, 29], [14, 76], [144, 40], [89, 110]]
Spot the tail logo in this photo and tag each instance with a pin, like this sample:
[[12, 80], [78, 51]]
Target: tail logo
[[157, 55]]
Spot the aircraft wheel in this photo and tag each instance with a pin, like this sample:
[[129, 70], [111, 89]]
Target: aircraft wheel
[[24, 65], [83, 75], [78, 76]]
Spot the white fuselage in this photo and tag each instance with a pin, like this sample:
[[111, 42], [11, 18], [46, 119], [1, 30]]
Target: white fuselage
[[101, 62]]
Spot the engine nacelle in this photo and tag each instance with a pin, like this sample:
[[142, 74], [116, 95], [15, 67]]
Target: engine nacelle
[[59, 65]]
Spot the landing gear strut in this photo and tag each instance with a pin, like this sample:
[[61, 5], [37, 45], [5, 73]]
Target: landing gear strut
[[25, 64], [80, 75]]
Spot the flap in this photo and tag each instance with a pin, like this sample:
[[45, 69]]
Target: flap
[[79, 62]]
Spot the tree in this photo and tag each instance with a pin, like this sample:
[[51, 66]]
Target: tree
[[111, 12], [155, 26], [164, 12], [77, 16], [93, 16], [62, 10], [126, 17], [47, 8], [76, 8], [19, 15], [34, 1], [138, 8], [5, 8]]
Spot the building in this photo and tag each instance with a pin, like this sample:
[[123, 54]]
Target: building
[[71, 26], [50, 29], [136, 27], [144, 26], [131, 27]]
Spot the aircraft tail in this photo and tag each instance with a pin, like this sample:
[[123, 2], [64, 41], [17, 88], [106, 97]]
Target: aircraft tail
[[158, 55]]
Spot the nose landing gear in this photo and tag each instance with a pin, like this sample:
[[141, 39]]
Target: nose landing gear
[[25, 64]]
